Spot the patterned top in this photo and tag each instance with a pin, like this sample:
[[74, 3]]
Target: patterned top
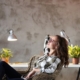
[[46, 50], [47, 64]]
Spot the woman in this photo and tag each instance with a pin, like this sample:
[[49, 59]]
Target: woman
[[58, 54]]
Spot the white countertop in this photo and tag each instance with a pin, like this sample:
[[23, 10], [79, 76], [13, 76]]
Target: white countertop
[[74, 65], [24, 65], [19, 64]]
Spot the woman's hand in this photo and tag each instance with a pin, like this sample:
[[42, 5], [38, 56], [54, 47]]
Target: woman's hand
[[32, 73]]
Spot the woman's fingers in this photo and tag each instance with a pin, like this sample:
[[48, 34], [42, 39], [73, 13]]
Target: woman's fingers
[[30, 74]]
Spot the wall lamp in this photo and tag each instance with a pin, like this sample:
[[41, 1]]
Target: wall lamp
[[11, 36], [63, 34]]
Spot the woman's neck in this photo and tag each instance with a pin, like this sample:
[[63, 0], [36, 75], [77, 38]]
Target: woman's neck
[[52, 51]]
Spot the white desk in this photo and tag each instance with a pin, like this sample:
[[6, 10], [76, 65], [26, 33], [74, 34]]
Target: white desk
[[25, 65], [19, 65], [74, 65]]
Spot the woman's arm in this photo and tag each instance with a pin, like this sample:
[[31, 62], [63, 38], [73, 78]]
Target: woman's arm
[[32, 73], [52, 67]]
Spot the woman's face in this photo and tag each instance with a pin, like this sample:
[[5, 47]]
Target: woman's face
[[52, 43]]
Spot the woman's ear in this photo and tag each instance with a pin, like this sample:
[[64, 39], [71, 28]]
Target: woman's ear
[[57, 45]]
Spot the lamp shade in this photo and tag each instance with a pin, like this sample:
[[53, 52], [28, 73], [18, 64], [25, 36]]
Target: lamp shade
[[63, 34], [11, 36]]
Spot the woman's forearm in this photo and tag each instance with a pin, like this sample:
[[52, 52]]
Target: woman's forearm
[[32, 73]]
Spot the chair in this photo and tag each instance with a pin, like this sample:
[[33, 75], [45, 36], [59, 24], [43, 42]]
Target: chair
[[41, 76]]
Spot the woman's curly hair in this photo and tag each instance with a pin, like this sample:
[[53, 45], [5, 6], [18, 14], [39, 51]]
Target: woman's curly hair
[[62, 50]]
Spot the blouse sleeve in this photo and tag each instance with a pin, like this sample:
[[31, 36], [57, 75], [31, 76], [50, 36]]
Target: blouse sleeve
[[52, 67], [46, 50]]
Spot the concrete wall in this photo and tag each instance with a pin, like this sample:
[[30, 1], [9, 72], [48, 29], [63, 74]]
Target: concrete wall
[[32, 20]]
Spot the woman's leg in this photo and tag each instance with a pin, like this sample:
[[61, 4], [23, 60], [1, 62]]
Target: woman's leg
[[2, 71], [16, 79], [8, 70]]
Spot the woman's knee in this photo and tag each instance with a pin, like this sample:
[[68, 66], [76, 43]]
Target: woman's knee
[[2, 62]]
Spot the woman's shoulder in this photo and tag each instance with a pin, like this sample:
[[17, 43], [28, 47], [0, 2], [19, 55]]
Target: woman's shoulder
[[56, 59]]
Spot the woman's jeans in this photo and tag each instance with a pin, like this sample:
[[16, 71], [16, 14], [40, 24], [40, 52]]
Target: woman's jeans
[[11, 73]]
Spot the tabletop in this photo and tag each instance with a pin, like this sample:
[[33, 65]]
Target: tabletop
[[73, 65], [19, 64], [24, 65]]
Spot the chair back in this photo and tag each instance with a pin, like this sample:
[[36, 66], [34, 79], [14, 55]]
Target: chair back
[[44, 76]]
